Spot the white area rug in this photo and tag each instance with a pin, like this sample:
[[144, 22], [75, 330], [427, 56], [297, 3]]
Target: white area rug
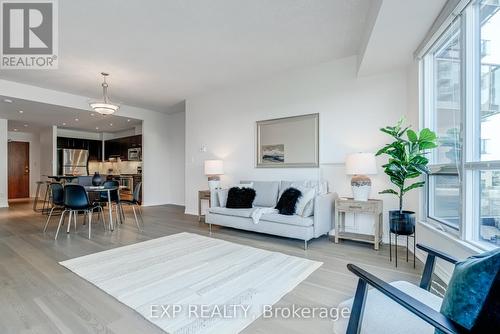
[[187, 283]]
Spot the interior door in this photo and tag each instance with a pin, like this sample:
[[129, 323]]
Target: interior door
[[19, 172]]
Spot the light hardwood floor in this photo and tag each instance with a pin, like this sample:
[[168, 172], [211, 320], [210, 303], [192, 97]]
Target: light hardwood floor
[[37, 295]]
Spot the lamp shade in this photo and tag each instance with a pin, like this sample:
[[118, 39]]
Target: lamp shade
[[214, 167], [361, 164]]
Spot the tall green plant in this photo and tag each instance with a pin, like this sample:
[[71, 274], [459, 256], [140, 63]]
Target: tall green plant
[[407, 159]]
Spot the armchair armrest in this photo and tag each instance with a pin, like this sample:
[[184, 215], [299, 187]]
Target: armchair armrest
[[323, 213], [429, 315], [434, 252], [425, 282]]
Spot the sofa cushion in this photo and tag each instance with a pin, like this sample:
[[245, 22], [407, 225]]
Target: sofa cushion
[[288, 201], [383, 315], [307, 197], [245, 213], [240, 198], [266, 193], [222, 196], [289, 220], [321, 187]]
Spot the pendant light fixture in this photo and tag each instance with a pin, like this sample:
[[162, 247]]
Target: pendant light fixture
[[104, 107]]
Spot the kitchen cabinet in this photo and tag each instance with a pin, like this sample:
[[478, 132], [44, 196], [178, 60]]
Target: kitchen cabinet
[[93, 146], [119, 147]]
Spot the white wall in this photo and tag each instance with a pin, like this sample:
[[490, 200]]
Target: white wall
[[156, 178], [34, 141], [351, 112], [3, 164], [48, 151], [177, 144]]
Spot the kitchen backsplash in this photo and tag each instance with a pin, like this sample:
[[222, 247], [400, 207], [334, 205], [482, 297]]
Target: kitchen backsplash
[[119, 167]]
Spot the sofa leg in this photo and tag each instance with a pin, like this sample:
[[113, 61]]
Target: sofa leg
[[305, 244], [210, 228]]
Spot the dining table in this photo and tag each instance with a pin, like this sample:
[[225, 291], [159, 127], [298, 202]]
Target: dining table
[[108, 190], [62, 178]]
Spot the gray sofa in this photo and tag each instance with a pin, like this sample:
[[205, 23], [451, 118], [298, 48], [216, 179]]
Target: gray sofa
[[267, 195]]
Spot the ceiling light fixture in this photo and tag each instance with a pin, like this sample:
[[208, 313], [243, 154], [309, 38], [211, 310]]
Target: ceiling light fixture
[[104, 107], [64, 123], [25, 125], [15, 129], [21, 111], [76, 119], [7, 100]]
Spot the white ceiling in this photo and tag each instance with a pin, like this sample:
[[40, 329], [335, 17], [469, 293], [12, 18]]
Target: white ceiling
[[399, 28], [160, 52], [36, 115]]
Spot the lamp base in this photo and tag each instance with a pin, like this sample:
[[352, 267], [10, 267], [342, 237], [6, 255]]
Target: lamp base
[[361, 187], [213, 182]]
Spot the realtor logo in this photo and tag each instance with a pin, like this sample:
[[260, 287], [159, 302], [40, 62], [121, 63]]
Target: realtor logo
[[29, 34]]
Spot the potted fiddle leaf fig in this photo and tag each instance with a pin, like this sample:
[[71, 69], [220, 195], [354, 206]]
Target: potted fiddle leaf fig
[[407, 162]]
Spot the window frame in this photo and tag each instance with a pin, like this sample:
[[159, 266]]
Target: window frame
[[470, 165], [428, 98]]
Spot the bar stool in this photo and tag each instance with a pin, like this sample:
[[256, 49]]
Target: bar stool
[[57, 202], [39, 185]]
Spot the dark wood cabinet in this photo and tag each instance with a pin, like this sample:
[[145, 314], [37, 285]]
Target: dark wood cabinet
[[93, 146], [119, 147]]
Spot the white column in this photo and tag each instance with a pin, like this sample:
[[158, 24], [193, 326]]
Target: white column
[[3, 164]]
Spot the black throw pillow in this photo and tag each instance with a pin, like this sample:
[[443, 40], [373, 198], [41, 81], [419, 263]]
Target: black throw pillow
[[287, 201], [240, 198]]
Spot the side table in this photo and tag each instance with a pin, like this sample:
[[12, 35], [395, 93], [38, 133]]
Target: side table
[[349, 205], [203, 195]]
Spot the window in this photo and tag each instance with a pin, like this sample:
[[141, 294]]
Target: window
[[489, 21], [461, 95], [445, 115]]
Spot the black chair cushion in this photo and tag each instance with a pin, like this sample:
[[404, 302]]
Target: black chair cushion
[[288, 201], [103, 197], [57, 191], [75, 197], [240, 198]]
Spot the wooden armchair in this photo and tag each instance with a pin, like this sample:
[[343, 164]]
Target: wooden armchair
[[409, 306]]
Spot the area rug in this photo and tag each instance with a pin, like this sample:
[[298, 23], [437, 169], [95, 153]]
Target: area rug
[[188, 283]]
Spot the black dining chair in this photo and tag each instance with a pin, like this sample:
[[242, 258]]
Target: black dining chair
[[115, 198], [76, 200], [56, 199], [135, 204]]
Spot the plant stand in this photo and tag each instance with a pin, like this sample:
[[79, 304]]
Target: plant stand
[[396, 247]]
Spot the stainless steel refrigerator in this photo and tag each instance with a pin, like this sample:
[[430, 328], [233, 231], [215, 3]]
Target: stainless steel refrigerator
[[73, 162]]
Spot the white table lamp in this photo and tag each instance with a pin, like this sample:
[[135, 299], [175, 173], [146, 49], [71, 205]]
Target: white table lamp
[[359, 165], [213, 169]]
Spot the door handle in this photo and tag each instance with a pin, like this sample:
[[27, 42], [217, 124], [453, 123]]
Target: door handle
[[26, 170]]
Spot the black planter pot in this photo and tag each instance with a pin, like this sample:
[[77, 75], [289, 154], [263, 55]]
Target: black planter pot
[[97, 179], [402, 223]]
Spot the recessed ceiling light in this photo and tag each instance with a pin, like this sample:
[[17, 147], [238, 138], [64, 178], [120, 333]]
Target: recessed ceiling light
[[110, 124], [25, 125], [64, 123], [92, 114], [76, 119], [128, 120], [7, 100], [21, 111], [15, 129], [97, 128]]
